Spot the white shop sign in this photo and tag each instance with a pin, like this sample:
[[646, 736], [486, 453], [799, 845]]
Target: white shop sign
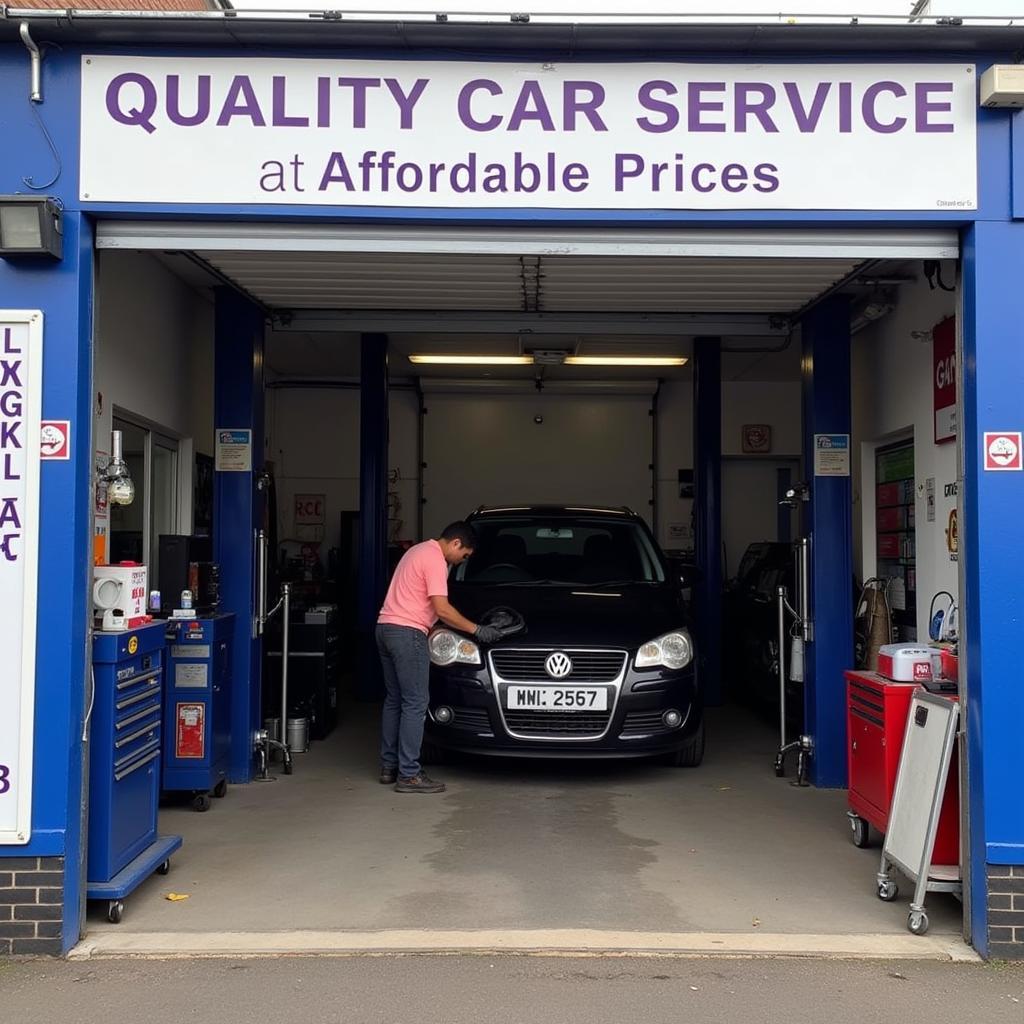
[[21, 398], [323, 132]]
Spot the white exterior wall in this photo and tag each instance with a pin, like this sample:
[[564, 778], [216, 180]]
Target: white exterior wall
[[153, 359], [893, 398]]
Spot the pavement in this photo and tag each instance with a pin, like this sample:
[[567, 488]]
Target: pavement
[[473, 989]]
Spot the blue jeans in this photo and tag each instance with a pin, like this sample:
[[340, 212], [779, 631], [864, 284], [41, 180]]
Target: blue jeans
[[406, 663]]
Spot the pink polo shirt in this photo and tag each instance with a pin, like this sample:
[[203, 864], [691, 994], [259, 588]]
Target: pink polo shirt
[[421, 574]]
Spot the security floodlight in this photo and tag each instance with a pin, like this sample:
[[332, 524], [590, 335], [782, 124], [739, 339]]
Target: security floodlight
[[30, 226]]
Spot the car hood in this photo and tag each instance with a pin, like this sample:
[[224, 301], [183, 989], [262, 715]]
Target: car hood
[[562, 616]]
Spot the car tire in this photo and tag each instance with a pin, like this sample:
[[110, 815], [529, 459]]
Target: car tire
[[431, 753], [690, 754]]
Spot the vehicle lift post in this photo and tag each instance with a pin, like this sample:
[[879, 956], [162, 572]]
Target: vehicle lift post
[[263, 744], [803, 627]]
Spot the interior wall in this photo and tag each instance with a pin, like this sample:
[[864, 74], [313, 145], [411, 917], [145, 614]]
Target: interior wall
[[749, 514], [892, 398], [313, 441], [153, 358], [487, 450]]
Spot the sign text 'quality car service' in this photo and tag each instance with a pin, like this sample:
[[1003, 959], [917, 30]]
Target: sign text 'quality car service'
[[451, 134]]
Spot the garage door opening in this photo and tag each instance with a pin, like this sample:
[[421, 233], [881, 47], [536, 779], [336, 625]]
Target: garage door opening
[[557, 390]]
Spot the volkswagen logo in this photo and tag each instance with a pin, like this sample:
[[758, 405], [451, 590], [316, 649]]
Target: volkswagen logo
[[558, 665]]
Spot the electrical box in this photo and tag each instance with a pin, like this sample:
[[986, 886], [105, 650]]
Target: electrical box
[[1003, 86]]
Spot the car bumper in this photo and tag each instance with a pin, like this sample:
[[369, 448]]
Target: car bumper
[[634, 725]]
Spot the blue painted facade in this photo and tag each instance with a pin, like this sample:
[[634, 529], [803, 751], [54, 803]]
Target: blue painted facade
[[993, 381]]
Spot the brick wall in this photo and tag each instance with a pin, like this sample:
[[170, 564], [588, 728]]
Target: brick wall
[[31, 899], [1005, 912]]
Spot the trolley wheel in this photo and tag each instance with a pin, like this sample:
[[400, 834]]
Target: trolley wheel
[[288, 768], [115, 911], [221, 789], [917, 922], [861, 832], [888, 891], [201, 802], [165, 868]]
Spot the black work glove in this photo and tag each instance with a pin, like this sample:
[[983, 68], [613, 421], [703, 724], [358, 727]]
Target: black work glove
[[487, 634]]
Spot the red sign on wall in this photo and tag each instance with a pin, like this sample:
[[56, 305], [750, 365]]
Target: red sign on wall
[[190, 731], [944, 379]]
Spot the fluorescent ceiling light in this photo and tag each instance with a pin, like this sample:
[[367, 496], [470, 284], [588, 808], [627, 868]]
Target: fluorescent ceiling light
[[626, 361], [529, 360], [473, 360]]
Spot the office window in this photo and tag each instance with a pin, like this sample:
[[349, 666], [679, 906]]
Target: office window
[[152, 458]]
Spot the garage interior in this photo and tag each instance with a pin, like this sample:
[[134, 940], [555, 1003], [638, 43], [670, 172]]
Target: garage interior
[[609, 846]]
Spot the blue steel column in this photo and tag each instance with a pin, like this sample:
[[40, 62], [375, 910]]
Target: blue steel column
[[64, 292], [707, 461], [373, 513], [238, 405], [993, 562], [828, 520]]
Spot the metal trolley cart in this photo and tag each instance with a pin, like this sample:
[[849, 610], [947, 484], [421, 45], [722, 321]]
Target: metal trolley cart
[[124, 766], [916, 805], [197, 707]]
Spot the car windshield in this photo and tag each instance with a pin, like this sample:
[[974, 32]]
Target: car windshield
[[576, 552]]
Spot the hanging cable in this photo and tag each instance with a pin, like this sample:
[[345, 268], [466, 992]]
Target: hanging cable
[[53, 149]]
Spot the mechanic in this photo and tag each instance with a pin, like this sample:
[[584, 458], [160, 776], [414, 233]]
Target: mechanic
[[416, 599]]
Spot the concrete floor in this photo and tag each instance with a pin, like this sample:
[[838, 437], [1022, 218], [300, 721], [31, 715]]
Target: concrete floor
[[620, 847]]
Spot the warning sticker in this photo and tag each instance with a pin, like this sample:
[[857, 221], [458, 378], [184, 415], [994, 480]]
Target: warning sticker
[[1003, 451], [190, 734]]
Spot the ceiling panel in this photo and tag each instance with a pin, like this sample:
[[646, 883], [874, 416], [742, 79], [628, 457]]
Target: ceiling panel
[[528, 283]]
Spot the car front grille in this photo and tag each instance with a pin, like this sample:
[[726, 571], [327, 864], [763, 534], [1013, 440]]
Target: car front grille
[[643, 723], [553, 724], [527, 666], [476, 719]]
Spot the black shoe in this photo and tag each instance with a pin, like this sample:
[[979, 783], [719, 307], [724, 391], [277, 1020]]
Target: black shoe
[[388, 776], [419, 784]]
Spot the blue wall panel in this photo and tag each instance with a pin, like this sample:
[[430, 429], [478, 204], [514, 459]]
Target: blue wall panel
[[993, 554]]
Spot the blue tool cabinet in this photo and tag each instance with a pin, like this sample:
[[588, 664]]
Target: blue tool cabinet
[[124, 765], [197, 707]]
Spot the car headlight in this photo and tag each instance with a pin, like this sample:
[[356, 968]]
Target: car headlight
[[447, 648], [673, 650]]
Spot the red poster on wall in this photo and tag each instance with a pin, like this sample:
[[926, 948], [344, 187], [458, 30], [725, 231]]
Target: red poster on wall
[[944, 379], [190, 732]]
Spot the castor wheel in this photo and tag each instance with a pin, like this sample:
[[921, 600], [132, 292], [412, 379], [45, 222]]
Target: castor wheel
[[288, 768], [861, 831], [888, 891], [221, 789], [165, 868], [201, 802], [115, 911], [917, 922]]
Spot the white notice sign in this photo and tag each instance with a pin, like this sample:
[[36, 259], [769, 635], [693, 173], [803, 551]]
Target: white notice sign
[[21, 349], [234, 451], [333, 131], [831, 454]]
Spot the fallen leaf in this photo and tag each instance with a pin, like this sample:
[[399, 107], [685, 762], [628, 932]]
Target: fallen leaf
[[176, 897], [756, 922], [723, 789], [693, 988]]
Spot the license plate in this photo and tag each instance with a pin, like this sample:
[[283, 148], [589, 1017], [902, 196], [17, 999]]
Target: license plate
[[556, 698]]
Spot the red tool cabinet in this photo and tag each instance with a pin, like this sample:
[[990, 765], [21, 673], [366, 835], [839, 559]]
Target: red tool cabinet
[[877, 711]]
